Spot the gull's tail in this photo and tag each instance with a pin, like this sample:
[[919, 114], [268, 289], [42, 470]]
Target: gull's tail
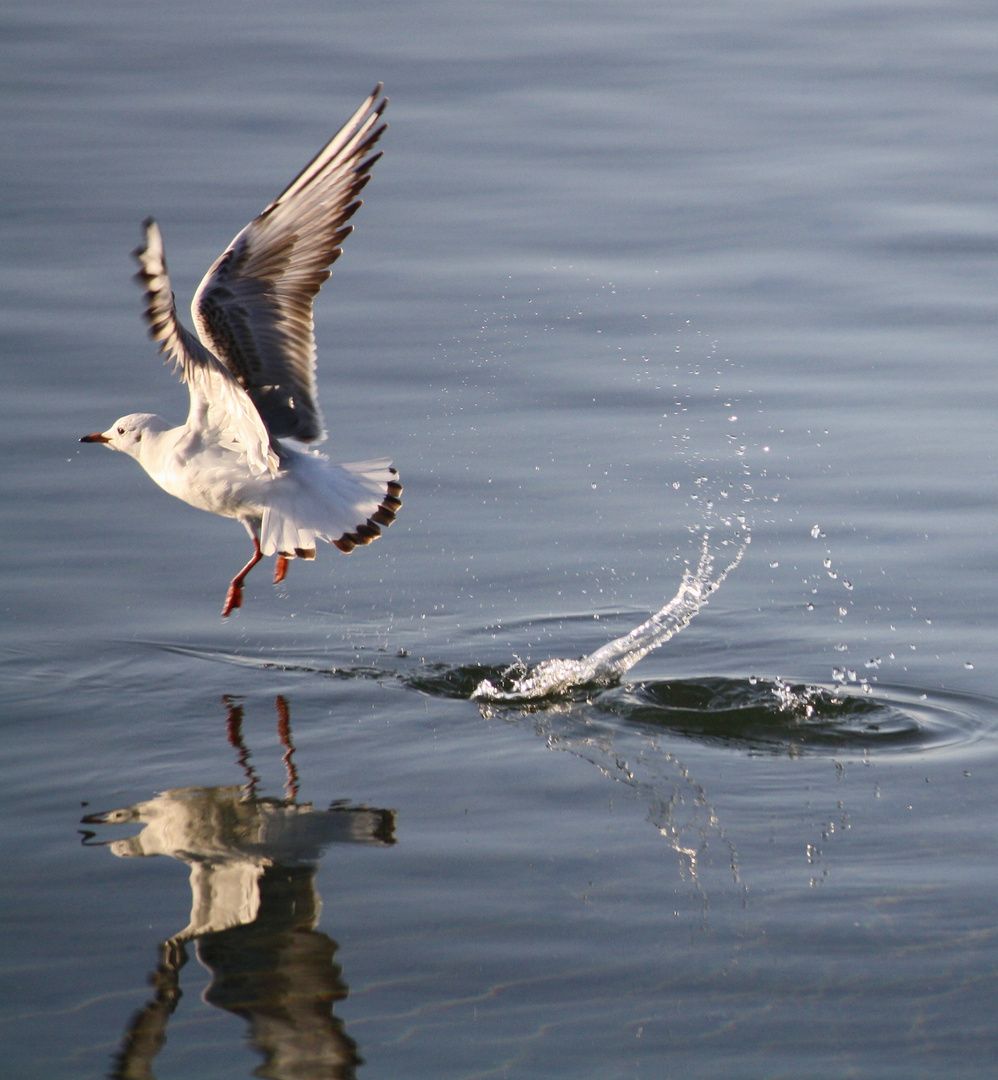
[[345, 505]]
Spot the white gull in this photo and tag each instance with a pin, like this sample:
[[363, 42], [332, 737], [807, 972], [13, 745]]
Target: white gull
[[251, 376]]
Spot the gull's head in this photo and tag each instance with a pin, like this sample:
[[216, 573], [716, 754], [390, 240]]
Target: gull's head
[[126, 434]]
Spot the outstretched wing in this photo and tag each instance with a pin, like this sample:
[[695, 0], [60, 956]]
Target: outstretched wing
[[254, 307], [220, 408]]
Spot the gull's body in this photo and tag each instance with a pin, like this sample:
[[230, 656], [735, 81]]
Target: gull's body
[[251, 373]]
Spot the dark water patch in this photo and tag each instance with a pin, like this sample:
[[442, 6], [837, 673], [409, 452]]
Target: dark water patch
[[450, 681], [773, 716]]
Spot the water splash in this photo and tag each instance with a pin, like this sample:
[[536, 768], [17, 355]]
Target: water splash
[[610, 662]]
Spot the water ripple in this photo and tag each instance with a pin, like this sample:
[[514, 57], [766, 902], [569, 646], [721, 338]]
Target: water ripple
[[779, 717], [759, 715]]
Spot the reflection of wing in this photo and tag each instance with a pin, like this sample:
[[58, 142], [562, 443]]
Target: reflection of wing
[[275, 971], [146, 1033], [254, 307], [220, 407], [279, 975]]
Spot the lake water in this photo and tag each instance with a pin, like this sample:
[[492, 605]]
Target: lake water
[[633, 283]]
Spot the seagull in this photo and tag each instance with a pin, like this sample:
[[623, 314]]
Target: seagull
[[251, 373]]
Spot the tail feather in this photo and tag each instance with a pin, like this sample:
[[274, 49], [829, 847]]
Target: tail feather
[[344, 505]]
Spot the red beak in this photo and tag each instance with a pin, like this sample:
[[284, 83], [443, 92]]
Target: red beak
[[97, 437]]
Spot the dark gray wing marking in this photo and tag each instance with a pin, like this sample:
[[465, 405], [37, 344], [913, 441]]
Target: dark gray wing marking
[[253, 309]]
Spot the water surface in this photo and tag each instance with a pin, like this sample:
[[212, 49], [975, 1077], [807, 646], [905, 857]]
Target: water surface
[[630, 284]]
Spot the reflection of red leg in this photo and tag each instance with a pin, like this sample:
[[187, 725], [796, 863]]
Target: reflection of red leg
[[280, 568], [284, 732], [234, 731], [234, 597]]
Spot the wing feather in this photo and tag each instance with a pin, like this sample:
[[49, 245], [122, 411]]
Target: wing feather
[[221, 410], [253, 310]]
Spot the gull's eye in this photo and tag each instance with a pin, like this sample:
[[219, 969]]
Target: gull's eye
[[121, 431]]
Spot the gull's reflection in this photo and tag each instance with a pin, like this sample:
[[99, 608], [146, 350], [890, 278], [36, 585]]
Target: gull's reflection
[[254, 910]]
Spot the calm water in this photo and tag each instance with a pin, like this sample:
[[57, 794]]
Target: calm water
[[628, 281]]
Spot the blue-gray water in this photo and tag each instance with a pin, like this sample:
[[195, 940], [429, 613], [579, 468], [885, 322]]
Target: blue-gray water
[[626, 274]]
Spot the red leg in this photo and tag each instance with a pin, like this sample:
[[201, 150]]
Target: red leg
[[234, 597], [280, 568]]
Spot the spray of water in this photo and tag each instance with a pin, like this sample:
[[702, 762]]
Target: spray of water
[[612, 661]]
